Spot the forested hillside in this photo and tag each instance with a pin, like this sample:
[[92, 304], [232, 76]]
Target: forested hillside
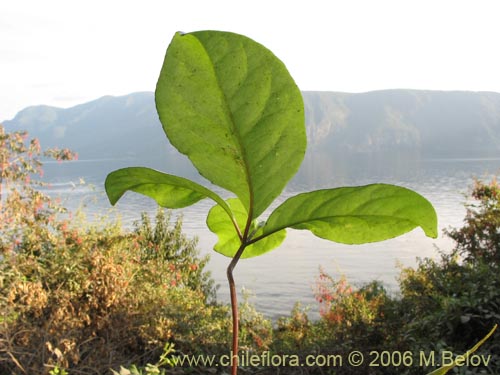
[[429, 123]]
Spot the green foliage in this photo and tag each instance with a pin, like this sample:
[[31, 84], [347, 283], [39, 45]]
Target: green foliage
[[355, 215], [20, 157], [459, 362], [25, 212], [479, 238], [231, 106], [350, 319], [58, 371], [94, 304], [229, 241], [368, 319], [459, 301], [451, 303], [168, 191], [256, 331], [81, 298], [163, 242], [455, 301], [151, 369], [296, 333], [344, 308], [90, 298]]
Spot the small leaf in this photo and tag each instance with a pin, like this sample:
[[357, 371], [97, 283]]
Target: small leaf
[[229, 242], [231, 106], [167, 190], [444, 370], [356, 215]]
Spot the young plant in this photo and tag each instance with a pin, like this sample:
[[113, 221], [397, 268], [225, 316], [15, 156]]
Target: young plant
[[231, 106]]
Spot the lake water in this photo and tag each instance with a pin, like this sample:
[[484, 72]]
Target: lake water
[[286, 275]]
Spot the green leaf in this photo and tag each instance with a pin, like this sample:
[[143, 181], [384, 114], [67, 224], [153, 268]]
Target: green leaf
[[167, 190], [231, 106], [356, 215], [461, 359], [229, 242]]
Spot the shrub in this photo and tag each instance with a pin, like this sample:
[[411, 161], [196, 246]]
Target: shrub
[[294, 334], [25, 212], [162, 242], [256, 332], [479, 239], [93, 304], [349, 313], [88, 298], [452, 302], [445, 304]]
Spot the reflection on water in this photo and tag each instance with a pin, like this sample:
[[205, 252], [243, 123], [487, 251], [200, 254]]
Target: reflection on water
[[287, 274]]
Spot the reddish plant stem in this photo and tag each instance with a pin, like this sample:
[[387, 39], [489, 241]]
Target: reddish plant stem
[[234, 308]]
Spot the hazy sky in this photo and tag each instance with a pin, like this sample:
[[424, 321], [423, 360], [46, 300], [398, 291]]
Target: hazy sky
[[67, 52]]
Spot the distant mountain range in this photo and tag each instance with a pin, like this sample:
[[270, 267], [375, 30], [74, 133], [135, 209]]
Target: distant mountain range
[[426, 123]]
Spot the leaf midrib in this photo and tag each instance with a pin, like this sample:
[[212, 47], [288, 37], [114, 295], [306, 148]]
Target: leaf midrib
[[293, 224], [237, 136]]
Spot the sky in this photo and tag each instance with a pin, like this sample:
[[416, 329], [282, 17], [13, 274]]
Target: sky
[[62, 53]]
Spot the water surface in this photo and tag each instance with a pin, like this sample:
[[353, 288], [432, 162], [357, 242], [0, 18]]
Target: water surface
[[286, 275]]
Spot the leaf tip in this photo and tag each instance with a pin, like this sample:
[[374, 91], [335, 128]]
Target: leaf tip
[[110, 192]]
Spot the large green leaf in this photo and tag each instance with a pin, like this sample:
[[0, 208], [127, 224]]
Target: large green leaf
[[231, 106], [167, 190], [356, 215], [229, 242]]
